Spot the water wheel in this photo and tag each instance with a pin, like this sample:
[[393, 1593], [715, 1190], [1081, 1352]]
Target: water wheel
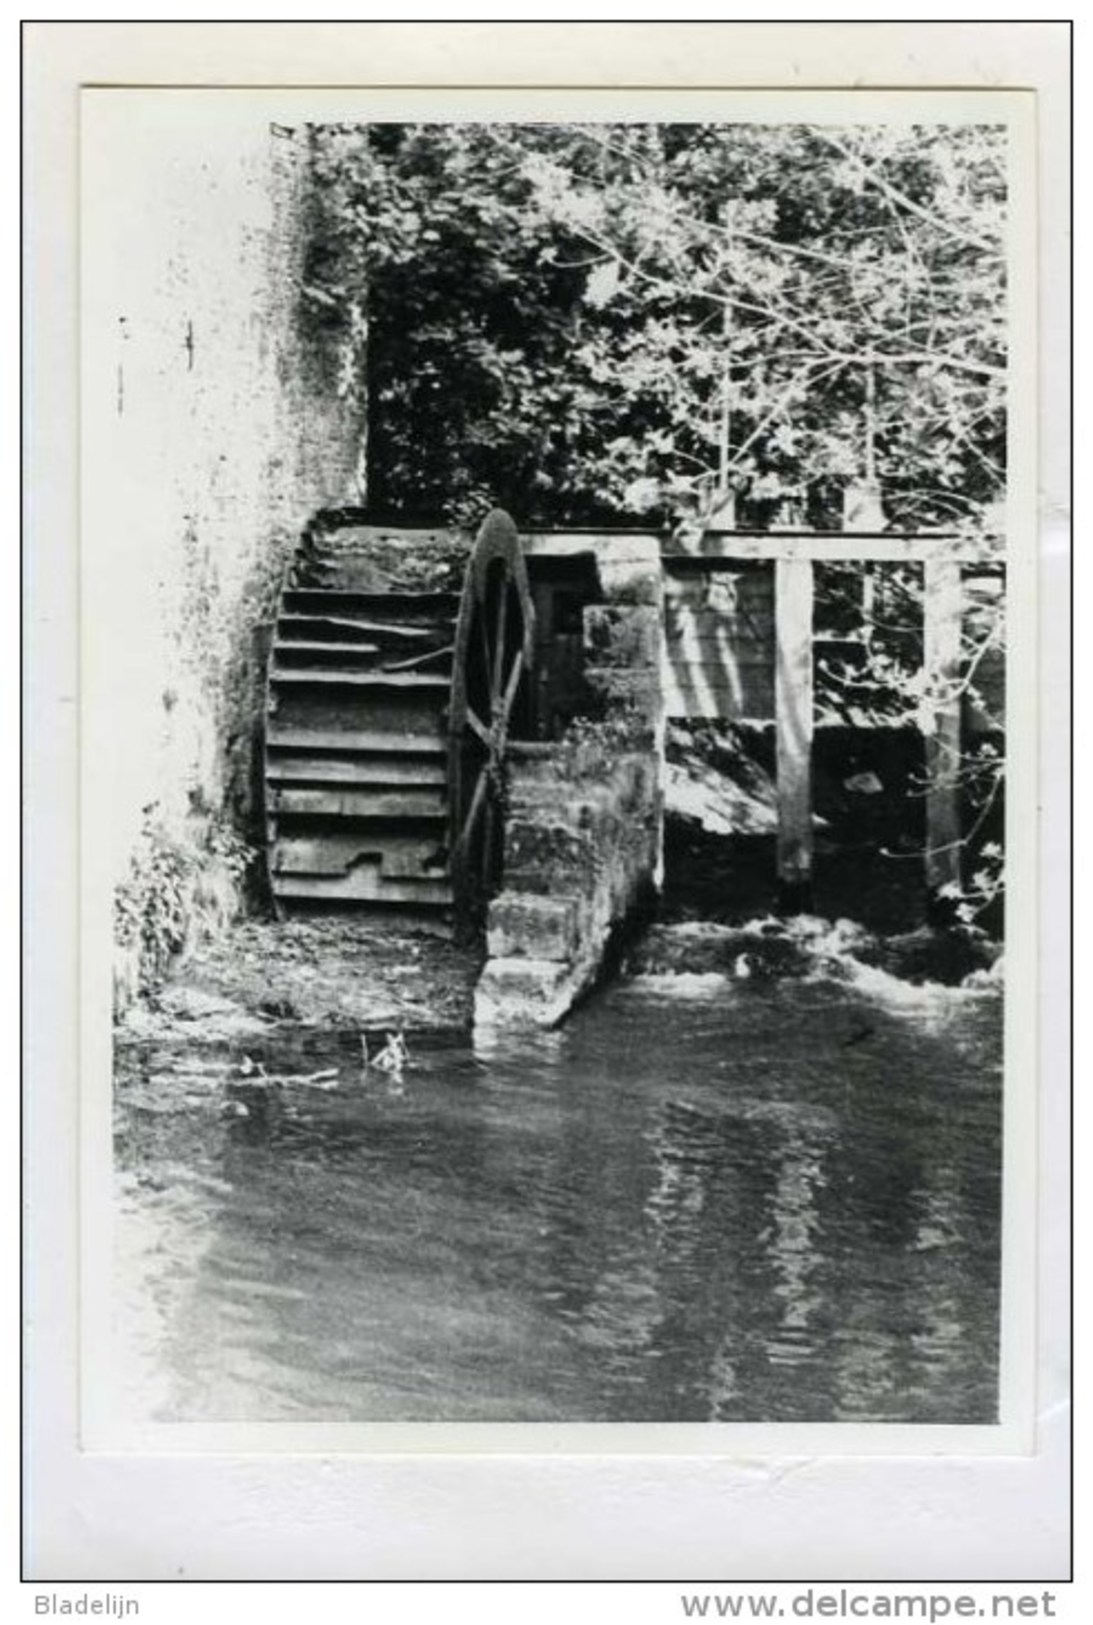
[[490, 706], [389, 709]]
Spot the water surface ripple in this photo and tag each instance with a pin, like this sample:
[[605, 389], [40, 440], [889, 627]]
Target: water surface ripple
[[773, 1203]]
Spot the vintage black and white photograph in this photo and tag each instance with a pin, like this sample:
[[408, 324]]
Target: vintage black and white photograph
[[546, 728]]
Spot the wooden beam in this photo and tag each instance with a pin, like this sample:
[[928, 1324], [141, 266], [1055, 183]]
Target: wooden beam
[[726, 547], [941, 651], [793, 709], [716, 549], [605, 543]]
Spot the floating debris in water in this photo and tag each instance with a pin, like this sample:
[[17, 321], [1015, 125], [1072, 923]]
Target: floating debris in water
[[327, 1078], [393, 1056], [258, 1078]]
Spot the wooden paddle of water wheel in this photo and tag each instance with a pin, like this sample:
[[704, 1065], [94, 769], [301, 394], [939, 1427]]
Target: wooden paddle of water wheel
[[389, 715]]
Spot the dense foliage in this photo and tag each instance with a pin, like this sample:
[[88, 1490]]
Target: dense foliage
[[625, 321], [673, 324]]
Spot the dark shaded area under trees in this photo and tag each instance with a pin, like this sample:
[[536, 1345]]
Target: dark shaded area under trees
[[676, 324], [630, 322]]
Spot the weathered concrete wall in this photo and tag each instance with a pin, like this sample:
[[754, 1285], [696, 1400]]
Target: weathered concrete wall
[[584, 833], [212, 430]]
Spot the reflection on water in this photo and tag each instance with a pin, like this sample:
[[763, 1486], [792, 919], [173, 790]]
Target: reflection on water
[[772, 1202]]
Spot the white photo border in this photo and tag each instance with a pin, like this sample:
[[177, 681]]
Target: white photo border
[[93, 1506]]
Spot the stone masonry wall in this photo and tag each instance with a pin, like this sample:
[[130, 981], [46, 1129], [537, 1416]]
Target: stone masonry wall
[[584, 831]]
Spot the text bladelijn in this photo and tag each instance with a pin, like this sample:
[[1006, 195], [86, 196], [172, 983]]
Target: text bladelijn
[[48, 1602]]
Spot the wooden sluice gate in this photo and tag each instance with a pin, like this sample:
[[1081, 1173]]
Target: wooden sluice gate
[[763, 630]]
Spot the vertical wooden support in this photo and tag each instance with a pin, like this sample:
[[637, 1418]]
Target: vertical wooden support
[[793, 592], [942, 651]]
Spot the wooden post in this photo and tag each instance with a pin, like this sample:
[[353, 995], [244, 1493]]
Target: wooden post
[[793, 591], [942, 651]]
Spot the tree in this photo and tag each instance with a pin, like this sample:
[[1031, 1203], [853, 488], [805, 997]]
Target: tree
[[821, 307], [673, 323], [636, 321]]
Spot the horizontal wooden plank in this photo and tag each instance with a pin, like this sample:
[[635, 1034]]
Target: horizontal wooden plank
[[694, 699], [605, 542], [719, 708], [388, 770], [709, 699], [342, 626], [715, 546], [695, 597], [328, 707], [693, 643], [323, 646], [340, 849], [708, 656], [747, 616], [326, 657], [352, 538], [297, 655], [718, 671], [355, 740], [405, 608], [752, 576], [362, 679], [719, 666], [738, 601], [439, 660], [336, 802]]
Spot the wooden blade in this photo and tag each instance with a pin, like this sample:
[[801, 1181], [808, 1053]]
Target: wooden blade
[[474, 813]]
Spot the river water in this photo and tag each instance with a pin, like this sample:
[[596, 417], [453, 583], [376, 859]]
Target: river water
[[701, 1199]]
